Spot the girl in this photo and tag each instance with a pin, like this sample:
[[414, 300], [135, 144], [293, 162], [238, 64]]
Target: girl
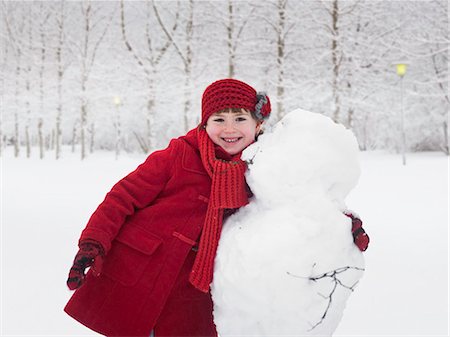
[[151, 243]]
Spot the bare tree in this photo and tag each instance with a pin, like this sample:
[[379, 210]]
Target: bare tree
[[226, 23], [95, 25], [61, 66], [44, 15], [28, 79], [337, 10], [15, 32], [235, 27], [438, 50], [440, 67], [4, 52], [283, 29], [185, 55], [423, 42], [334, 57], [148, 61], [280, 29], [74, 135]]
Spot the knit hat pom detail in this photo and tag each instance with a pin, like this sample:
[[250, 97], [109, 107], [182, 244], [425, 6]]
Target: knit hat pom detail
[[262, 106]]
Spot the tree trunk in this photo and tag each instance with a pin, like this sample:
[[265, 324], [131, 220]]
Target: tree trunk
[[280, 57], [74, 136], [187, 97], [149, 119], [350, 114], [48, 141], [335, 61], [28, 87], [28, 140], [118, 127], [60, 74], [83, 131], [1, 137], [52, 141], [446, 138], [185, 57], [92, 138], [16, 135], [230, 32], [58, 132], [41, 83], [41, 138], [28, 112], [17, 94], [188, 66]]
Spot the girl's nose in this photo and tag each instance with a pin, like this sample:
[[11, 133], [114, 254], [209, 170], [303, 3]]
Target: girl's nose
[[228, 125]]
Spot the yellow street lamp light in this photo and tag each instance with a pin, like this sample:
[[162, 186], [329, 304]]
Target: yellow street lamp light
[[117, 101], [401, 69]]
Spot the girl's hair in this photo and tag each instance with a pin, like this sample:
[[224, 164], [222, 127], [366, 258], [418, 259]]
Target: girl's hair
[[236, 110]]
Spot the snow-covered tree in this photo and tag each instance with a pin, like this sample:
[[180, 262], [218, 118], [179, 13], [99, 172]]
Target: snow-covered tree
[[64, 62], [14, 29], [96, 18], [147, 57], [183, 47]]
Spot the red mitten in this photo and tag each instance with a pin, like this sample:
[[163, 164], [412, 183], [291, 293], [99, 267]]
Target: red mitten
[[360, 237], [91, 255]]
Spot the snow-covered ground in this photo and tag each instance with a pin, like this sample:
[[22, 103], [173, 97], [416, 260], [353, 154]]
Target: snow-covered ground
[[404, 291]]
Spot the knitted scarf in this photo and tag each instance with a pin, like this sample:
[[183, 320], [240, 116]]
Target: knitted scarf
[[227, 191]]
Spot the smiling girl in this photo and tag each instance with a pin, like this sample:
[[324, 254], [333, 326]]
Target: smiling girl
[[151, 243]]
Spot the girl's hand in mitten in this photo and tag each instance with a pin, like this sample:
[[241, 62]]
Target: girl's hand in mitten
[[360, 237], [91, 255]]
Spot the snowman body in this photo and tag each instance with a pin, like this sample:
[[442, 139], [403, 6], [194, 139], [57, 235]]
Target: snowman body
[[286, 262]]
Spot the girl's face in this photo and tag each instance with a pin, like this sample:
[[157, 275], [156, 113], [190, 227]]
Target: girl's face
[[233, 131]]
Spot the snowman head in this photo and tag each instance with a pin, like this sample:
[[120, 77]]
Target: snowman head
[[305, 156]]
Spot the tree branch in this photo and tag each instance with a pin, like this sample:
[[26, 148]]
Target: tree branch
[[158, 17], [333, 275]]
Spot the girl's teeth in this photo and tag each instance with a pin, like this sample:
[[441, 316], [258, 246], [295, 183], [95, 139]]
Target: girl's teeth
[[231, 140]]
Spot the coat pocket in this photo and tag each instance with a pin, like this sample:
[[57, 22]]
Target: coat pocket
[[131, 252]]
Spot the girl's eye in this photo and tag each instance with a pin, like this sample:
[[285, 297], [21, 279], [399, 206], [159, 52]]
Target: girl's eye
[[241, 119], [219, 120]]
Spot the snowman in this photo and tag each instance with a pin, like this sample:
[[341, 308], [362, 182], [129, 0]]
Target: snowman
[[286, 262]]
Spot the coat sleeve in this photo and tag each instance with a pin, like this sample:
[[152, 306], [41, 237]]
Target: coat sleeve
[[136, 191]]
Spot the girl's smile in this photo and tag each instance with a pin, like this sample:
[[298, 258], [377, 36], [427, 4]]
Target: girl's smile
[[231, 140]]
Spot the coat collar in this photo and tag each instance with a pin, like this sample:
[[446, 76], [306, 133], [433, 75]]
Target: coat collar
[[191, 160]]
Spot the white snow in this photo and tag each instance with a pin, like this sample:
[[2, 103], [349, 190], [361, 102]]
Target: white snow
[[293, 230], [404, 291]]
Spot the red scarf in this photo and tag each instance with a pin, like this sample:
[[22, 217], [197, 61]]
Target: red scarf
[[227, 191]]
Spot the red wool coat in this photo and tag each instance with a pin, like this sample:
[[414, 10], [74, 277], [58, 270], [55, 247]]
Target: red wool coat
[[148, 225]]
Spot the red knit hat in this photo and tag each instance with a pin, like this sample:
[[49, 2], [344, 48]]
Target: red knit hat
[[231, 93]]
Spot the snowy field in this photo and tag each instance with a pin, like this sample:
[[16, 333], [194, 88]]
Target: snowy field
[[45, 204]]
